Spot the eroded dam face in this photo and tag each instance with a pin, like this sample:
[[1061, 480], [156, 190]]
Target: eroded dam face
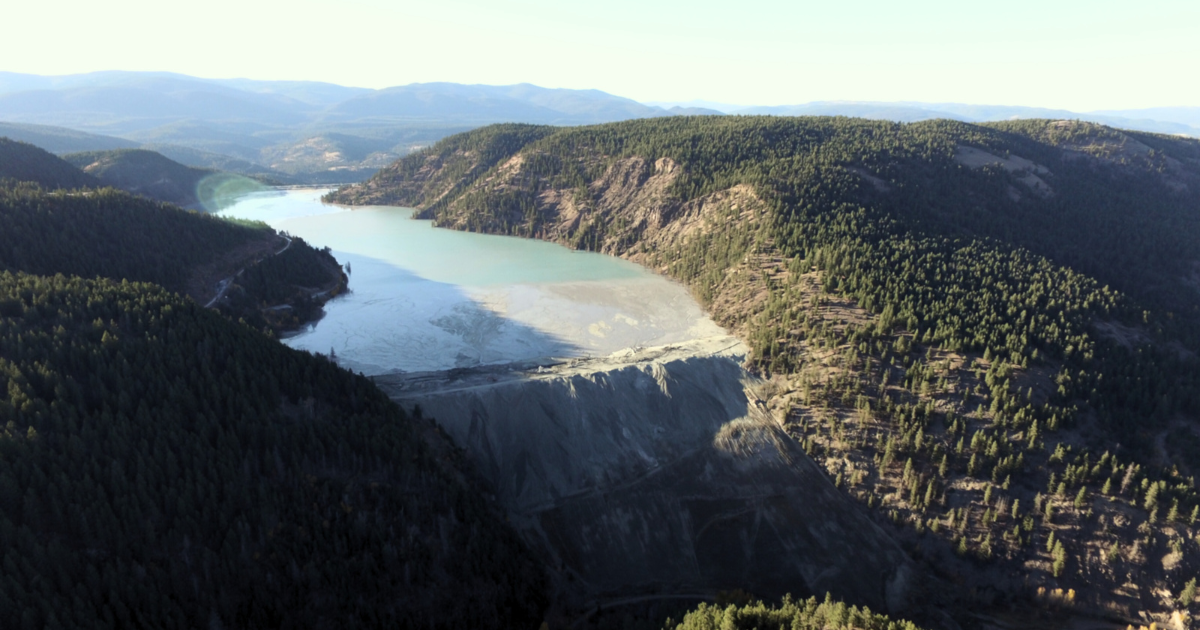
[[660, 472]]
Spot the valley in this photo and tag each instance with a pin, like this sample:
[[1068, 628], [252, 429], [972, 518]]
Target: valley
[[599, 316], [934, 370]]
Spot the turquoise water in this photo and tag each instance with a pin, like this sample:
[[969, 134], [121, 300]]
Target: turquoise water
[[391, 235], [423, 298]]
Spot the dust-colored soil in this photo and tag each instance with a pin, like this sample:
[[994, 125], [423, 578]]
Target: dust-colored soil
[[1029, 173]]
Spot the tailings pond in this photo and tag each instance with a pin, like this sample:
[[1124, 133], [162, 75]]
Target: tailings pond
[[423, 298]]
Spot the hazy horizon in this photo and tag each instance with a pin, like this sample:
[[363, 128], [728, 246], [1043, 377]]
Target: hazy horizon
[[765, 53], [694, 102]]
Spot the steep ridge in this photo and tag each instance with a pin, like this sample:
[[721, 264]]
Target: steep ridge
[[163, 466], [985, 333], [659, 471], [23, 162], [112, 234], [143, 173]]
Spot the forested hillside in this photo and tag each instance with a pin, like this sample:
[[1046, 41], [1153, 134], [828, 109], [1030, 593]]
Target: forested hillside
[[23, 162], [985, 332], [112, 234], [116, 235], [809, 614], [142, 172], [162, 467]]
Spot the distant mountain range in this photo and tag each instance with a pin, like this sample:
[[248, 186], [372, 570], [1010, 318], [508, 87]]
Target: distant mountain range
[[1168, 120], [310, 132], [138, 171], [286, 131]]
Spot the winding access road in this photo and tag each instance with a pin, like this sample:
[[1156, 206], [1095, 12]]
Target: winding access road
[[223, 285]]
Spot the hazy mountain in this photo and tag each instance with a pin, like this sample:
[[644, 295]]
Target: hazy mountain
[[678, 110], [585, 105], [1189, 116], [62, 140], [314, 132], [309, 92], [874, 111], [724, 108], [1160, 120], [1138, 120], [18, 82], [477, 104], [305, 131], [219, 161], [226, 139], [135, 103]]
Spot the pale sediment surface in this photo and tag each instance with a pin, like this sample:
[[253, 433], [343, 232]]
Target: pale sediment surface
[[428, 299]]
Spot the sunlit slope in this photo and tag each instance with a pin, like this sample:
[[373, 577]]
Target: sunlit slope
[[984, 331], [161, 466], [142, 172]]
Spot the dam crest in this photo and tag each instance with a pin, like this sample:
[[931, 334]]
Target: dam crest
[[658, 470]]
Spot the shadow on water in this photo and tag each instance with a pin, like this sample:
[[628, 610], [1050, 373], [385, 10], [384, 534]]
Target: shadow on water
[[394, 320]]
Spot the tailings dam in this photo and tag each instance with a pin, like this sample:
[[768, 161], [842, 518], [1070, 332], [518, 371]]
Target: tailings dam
[[610, 416]]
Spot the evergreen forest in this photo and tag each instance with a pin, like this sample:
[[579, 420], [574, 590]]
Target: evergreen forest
[[165, 465], [985, 333], [23, 162]]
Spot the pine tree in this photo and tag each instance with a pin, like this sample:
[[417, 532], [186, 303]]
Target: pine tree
[[1188, 595]]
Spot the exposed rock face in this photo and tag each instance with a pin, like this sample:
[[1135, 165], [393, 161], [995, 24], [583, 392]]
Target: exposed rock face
[[666, 475]]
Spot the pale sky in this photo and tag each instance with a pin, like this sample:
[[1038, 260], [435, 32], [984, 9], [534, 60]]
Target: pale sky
[[1078, 55]]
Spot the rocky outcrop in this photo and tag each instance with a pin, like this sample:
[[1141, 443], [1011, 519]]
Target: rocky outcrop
[[664, 474]]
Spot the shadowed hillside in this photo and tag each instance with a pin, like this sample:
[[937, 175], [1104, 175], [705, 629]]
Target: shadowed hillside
[[22, 162], [165, 467], [116, 235]]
